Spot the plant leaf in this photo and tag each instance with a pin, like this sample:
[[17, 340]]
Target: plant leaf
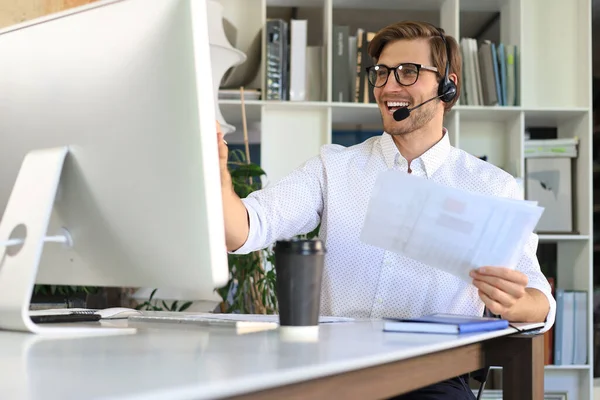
[[246, 171]]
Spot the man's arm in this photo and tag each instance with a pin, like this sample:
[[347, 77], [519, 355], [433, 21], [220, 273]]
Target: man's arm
[[505, 293], [281, 211], [237, 226], [533, 307], [235, 213]]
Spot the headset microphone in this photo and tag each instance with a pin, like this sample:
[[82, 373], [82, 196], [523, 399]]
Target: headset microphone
[[403, 113]]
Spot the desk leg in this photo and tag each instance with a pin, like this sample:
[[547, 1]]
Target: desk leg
[[522, 361]]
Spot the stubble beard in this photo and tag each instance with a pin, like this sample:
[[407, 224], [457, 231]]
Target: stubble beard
[[415, 121]]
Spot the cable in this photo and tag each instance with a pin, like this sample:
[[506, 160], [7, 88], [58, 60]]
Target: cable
[[481, 387], [480, 390], [54, 239], [518, 329]]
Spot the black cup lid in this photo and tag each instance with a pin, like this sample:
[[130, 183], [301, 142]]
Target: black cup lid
[[300, 246]]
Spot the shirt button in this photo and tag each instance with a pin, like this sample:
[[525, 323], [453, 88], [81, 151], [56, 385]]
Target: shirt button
[[380, 301]]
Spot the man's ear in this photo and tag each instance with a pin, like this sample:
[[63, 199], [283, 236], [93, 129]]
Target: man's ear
[[454, 78]]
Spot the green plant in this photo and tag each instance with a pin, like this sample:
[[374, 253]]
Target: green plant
[[63, 290], [153, 305]]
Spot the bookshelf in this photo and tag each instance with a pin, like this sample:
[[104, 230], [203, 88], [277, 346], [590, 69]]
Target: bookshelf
[[554, 89]]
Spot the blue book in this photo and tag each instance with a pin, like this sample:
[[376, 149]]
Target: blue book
[[497, 76], [445, 323], [502, 69]]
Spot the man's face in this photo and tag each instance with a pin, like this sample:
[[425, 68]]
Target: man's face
[[407, 51]]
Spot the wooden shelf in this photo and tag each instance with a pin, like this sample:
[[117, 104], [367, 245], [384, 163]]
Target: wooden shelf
[[562, 237], [553, 367]]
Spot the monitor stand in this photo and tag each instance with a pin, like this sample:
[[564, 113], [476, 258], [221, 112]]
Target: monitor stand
[[27, 216]]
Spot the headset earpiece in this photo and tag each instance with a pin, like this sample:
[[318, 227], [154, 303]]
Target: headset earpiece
[[447, 88]]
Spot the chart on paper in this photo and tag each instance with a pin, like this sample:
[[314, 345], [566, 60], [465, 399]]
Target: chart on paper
[[444, 227]]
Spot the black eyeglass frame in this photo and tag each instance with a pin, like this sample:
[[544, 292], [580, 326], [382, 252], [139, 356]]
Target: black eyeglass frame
[[395, 69]]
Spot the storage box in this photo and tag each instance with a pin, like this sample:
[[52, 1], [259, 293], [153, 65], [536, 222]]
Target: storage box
[[548, 181], [551, 148]]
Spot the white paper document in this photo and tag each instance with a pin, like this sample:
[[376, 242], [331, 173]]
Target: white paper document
[[447, 228]]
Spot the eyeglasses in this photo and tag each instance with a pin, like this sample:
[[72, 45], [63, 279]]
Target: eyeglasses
[[406, 74]]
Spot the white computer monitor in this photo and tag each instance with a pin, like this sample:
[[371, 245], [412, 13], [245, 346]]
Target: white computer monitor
[[107, 129]]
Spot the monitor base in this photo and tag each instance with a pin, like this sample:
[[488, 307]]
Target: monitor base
[[26, 217]]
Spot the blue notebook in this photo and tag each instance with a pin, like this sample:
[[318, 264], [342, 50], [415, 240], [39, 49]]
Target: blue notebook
[[445, 323]]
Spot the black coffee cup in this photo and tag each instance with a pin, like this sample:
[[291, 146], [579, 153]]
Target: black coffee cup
[[299, 270]]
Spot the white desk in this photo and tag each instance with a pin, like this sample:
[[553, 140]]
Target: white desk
[[191, 362]]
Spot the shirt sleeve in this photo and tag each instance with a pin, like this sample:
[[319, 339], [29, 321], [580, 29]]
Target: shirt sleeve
[[293, 206], [530, 266]]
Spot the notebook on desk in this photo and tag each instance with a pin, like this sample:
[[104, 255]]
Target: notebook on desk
[[445, 323]]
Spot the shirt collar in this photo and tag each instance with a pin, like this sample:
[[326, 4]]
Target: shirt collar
[[431, 160]]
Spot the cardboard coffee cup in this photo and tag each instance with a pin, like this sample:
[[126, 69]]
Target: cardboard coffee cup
[[299, 271]]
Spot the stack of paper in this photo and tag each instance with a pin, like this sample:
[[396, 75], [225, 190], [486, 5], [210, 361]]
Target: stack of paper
[[447, 228]]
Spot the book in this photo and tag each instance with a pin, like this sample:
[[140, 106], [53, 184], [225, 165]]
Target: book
[[340, 91], [570, 327], [445, 323], [277, 60], [298, 46]]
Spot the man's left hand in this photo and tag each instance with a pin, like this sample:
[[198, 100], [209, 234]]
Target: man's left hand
[[500, 289]]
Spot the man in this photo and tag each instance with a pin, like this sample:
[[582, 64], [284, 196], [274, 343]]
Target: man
[[334, 187]]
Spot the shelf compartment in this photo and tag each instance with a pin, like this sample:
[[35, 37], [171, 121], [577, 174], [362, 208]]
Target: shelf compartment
[[482, 5], [487, 113], [552, 116], [405, 5], [500, 140]]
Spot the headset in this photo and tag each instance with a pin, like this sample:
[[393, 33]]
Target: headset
[[447, 88]]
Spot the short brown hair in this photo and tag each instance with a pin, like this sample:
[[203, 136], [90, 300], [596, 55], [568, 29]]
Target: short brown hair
[[417, 30]]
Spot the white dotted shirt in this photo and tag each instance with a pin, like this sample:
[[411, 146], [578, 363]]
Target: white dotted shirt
[[361, 280]]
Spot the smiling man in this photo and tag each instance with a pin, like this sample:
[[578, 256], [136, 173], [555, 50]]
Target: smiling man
[[415, 81]]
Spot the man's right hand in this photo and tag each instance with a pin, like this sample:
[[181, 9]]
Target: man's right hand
[[237, 225], [223, 157]]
